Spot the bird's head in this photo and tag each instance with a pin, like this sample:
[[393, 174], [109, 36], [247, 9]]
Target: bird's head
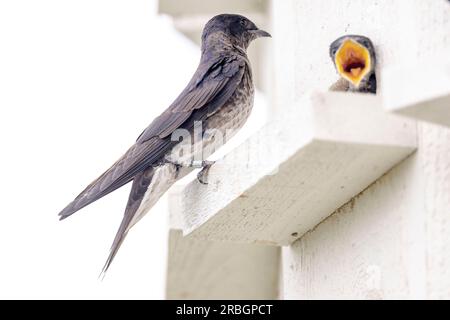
[[354, 58], [231, 28]]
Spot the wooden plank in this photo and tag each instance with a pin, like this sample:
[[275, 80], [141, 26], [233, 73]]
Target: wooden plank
[[306, 163], [420, 90], [200, 269]]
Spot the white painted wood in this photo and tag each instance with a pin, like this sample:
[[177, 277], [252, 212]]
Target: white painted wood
[[390, 242], [193, 7], [420, 89], [293, 173], [371, 248], [393, 239], [217, 270]]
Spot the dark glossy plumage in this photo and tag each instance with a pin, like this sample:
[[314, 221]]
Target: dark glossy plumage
[[211, 86], [221, 84]]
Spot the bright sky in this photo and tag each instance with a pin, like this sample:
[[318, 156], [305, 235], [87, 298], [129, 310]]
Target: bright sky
[[79, 81]]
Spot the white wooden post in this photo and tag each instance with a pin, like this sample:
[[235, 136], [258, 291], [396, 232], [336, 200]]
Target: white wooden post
[[354, 188], [199, 269]]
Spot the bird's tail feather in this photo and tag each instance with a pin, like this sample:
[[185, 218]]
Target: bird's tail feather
[[141, 182], [148, 187]]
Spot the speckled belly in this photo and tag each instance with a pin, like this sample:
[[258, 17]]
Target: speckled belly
[[220, 127], [235, 113]]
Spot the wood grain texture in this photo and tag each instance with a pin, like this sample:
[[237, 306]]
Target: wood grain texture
[[297, 170], [200, 269], [371, 248], [215, 270], [390, 242], [434, 142]]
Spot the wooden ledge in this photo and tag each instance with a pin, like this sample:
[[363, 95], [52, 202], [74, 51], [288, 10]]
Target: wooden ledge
[[307, 162], [420, 90]]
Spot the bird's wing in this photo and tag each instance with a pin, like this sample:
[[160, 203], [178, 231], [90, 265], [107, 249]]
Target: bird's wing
[[119, 174], [212, 85]]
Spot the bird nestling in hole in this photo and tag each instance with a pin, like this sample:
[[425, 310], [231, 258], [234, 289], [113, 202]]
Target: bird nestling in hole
[[355, 61]]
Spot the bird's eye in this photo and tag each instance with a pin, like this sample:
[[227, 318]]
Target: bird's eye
[[333, 52], [244, 23]]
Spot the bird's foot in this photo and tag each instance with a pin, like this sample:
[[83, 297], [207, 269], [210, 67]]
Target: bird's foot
[[203, 174], [205, 165]]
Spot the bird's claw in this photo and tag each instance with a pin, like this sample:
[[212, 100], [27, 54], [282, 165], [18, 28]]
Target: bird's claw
[[203, 174]]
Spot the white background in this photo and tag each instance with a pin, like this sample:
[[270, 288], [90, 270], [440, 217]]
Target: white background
[[79, 81]]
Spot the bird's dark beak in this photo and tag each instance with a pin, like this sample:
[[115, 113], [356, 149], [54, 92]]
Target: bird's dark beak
[[260, 33], [353, 61]]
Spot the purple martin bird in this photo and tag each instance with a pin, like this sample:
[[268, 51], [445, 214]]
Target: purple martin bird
[[219, 97], [355, 61]]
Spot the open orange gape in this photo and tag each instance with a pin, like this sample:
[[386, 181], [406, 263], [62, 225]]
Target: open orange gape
[[353, 61]]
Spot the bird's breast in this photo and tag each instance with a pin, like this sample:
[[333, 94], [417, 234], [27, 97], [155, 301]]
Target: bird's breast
[[218, 128], [235, 112]]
